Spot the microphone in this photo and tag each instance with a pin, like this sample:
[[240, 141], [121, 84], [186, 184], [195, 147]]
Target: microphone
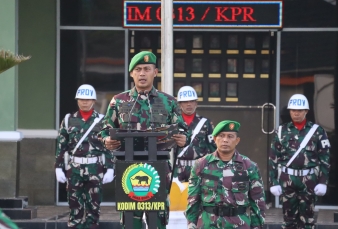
[[130, 112]]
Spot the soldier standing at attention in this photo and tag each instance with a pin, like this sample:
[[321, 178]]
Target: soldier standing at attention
[[85, 166], [225, 185], [202, 142], [135, 109], [299, 165]]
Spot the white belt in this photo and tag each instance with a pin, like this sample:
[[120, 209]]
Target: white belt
[[297, 172], [85, 160], [185, 162]]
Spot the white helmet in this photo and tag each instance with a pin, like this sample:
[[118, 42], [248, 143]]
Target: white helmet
[[85, 91], [186, 93], [298, 102]]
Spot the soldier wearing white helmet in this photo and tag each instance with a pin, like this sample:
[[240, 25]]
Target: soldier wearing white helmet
[[84, 158], [299, 165], [298, 106], [201, 129], [86, 97]]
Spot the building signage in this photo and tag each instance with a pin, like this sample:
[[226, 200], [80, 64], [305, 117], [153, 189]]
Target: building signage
[[206, 14]]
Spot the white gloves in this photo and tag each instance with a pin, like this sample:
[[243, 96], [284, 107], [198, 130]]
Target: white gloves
[[320, 189], [108, 176], [60, 175], [276, 190]]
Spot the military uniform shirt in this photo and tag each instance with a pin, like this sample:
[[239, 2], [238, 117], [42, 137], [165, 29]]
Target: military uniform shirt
[[316, 152], [237, 183], [203, 142], [163, 110], [91, 145]]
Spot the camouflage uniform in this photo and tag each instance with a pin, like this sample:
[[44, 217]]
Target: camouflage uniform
[[164, 111], [84, 181], [236, 184], [298, 195], [201, 145]]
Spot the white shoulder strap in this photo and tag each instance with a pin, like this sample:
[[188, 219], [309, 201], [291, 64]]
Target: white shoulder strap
[[66, 120], [195, 132], [280, 133], [96, 120], [303, 143]]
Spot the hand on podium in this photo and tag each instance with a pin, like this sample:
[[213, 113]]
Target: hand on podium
[[111, 144]]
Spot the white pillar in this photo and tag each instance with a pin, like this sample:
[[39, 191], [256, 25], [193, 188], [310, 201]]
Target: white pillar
[[167, 46]]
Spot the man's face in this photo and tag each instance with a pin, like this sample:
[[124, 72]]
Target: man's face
[[226, 142], [188, 107], [298, 115], [85, 104], [143, 75]]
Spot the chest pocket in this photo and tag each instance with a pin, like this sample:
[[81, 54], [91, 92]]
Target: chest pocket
[[201, 136], [290, 145], [74, 128], [209, 187], [240, 188], [97, 128], [293, 143], [124, 110], [160, 113], [311, 145]]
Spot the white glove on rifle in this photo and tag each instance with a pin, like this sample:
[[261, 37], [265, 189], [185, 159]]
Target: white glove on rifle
[[276, 190], [320, 189], [60, 175], [108, 176]]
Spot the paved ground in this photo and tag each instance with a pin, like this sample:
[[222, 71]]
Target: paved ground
[[273, 215]]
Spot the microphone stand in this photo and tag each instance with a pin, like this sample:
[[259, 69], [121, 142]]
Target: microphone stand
[[150, 110], [130, 113]]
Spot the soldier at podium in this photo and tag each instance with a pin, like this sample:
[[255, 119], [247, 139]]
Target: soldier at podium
[[133, 109]]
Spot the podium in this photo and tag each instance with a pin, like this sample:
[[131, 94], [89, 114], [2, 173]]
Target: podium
[[140, 175]]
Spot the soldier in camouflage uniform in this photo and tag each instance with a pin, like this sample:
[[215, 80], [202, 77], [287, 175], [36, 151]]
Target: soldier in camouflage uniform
[[299, 181], [152, 109], [225, 188], [85, 167], [202, 142]]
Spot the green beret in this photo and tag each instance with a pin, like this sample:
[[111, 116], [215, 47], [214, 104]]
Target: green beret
[[226, 126], [143, 57]]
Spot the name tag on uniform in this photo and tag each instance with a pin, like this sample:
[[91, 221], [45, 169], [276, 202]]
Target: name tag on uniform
[[240, 178], [159, 111], [126, 107], [228, 173]]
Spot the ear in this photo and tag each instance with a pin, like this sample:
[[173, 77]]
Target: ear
[[214, 137], [238, 139]]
